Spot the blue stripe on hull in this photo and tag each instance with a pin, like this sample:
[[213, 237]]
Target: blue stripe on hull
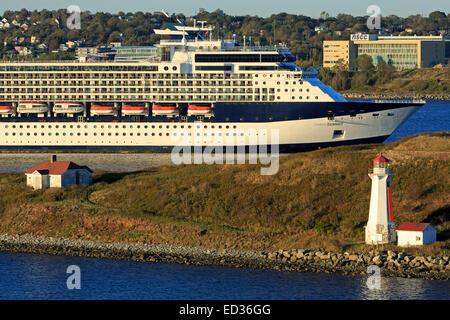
[[285, 111], [283, 148], [248, 112]]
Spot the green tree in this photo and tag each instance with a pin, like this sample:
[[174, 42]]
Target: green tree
[[385, 72], [326, 75], [364, 63], [365, 71], [53, 45], [341, 80]]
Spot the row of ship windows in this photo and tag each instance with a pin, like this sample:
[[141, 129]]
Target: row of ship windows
[[49, 126], [146, 90], [130, 134], [113, 76], [164, 98], [139, 76], [134, 84], [125, 83]]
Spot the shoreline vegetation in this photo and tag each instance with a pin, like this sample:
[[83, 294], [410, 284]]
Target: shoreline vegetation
[[383, 82], [317, 201]]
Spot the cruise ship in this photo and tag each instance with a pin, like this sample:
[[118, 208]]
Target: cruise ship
[[189, 89]]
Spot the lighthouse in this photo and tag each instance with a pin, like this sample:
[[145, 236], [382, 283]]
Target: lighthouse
[[380, 228]]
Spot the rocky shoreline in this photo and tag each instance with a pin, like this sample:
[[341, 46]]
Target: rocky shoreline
[[387, 96], [391, 263]]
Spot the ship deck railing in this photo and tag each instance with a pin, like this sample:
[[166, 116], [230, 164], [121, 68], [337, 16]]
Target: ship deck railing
[[399, 101], [224, 48], [241, 49]]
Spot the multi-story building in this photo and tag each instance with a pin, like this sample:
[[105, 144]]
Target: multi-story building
[[338, 51], [402, 52]]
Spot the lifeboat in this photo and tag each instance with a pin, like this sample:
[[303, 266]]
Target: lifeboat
[[165, 110], [67, 108], [133, 110], [200, 110], [103, 110], [32, 107], [6, 110]]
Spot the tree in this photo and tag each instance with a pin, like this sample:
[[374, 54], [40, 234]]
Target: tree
[[53, 45], [324, 15], [365, 71], [326, 75], [114, 37], [341, 80], [73, 35], [385, 72], [364, 63], [437, 15], [359, 27]]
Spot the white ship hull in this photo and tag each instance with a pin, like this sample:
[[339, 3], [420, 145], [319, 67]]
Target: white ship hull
[[309, 132]]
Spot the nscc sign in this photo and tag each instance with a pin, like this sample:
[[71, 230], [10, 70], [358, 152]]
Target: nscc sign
[[363, 37]]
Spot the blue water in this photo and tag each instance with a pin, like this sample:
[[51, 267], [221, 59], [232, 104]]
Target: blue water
[[31, 276], [433, 116]]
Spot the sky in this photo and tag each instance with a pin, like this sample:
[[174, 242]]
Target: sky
[[263, 8]]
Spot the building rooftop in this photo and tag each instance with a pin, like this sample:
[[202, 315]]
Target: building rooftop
[[55, 167], [380, 158], [413, 226]]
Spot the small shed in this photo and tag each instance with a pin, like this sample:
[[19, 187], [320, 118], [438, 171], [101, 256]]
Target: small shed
[[59, 174], [415, 234]]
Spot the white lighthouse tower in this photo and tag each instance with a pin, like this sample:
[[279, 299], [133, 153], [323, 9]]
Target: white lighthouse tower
[[380, 228]]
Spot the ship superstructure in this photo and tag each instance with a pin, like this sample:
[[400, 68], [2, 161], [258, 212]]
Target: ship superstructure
[[186, 83]]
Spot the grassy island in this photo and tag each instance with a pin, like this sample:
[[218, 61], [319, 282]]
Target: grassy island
[[318, 199]]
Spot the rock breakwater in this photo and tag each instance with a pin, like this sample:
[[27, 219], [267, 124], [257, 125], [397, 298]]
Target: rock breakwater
[[391, 263]]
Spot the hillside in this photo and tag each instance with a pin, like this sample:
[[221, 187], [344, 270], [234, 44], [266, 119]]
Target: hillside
[[318, 199], [416, 81]]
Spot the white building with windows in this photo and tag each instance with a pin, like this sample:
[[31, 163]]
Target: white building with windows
[[415, 234], [59, 174]]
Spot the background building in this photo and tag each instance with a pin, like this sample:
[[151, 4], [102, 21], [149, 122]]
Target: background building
[[402, 52], [334, 51]]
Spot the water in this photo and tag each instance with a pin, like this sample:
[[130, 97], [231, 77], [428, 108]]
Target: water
[[434, 116], [31, 276]]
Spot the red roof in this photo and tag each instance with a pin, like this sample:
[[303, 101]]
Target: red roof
[[56, 167], [413, 226], [380, 158]]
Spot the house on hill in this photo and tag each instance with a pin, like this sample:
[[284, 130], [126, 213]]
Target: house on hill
[[415, 234], [59, 174]]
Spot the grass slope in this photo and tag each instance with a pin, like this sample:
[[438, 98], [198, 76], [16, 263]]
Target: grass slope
[[420, 81], [318, 199]]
